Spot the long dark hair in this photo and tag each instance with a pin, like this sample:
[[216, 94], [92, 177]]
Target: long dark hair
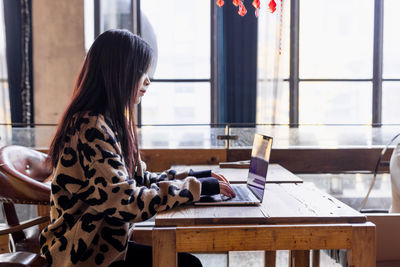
[[108, 84]]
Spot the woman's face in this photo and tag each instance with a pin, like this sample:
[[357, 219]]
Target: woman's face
[[143, 85]]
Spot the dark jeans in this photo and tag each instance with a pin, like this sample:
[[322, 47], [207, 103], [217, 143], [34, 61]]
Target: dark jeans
[[141, 255]]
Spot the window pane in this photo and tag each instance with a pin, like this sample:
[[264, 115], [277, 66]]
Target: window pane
[[116, 14], [270, 63], [272, 103], [390, 102], [173, 103], [89, 23], [391, 39], [335, 102], [183, 33], [336, 38], [5, 116]]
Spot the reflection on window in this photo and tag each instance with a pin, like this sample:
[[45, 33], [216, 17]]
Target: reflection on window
[[335, 102], [176, 103], [391, 40], [336, 38]]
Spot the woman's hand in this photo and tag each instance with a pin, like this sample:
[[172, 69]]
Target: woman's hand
[[224, 186]]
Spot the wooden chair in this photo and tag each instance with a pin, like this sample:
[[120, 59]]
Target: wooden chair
[[23, 175]]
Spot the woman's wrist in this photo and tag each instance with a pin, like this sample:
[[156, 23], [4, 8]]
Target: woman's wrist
[[209, 186], [200, 174]]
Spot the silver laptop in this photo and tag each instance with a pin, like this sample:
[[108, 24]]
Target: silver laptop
[[252, 192]]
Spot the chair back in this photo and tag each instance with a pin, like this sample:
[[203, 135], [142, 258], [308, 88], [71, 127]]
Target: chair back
[[23, 175], [25, 172]]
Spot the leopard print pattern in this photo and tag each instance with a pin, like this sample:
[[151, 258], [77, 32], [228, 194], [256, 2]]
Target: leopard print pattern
[[94, 200]]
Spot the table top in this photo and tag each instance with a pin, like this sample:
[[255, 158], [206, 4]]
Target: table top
[[284, 203], [276, 173]]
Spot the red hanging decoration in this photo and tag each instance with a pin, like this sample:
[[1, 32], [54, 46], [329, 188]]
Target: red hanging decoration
[[236, 2], [272, 6], [256, 4], [242, 9]]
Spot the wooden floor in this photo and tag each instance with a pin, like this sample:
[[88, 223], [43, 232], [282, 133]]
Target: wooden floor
[[253, 259]]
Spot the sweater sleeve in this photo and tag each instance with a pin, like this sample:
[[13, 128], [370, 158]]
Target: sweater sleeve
[[209, 185], [118, 196], [110, 190]]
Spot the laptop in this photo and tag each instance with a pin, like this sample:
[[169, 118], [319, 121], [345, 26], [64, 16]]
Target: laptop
[[252, 192]]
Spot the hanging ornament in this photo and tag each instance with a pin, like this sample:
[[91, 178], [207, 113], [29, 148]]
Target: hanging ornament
[[272, 6], [242, 9], [256, 4]]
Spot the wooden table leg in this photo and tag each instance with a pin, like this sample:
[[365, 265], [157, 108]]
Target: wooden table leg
[[299, 258], [164, 247], [363, 251], [315, 258], [270, 259]]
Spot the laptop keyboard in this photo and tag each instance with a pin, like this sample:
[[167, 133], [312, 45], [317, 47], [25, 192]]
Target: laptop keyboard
[[241, 193]]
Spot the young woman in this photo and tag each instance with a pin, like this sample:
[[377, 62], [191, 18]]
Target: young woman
[[100, 185]]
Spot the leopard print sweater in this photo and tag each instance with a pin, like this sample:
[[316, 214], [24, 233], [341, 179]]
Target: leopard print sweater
[[93, 199]]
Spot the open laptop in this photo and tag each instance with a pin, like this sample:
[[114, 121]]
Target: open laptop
[[252, 192]]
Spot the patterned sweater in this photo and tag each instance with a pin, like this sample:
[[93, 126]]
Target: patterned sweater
[[94, 200]]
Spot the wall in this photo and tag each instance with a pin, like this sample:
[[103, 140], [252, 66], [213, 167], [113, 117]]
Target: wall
[[58, 52]]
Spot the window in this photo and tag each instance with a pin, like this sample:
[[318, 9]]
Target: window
[[5, 116], [180, 33], [391, 63], [336, 77], [180, 90]]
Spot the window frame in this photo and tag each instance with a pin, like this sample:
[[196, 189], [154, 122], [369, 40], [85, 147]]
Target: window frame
[[135, 4], [377, 75], [136, 29]]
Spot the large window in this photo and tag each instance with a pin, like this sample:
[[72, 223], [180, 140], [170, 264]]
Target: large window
[[391, 63], [330, 70], [339, 61], [180, 33], [180, 92]]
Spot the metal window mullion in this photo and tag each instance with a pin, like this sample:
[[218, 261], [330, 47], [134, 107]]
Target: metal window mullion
[[377, 65], [136, 29], [294, 64], [214, 92], [97, 18]]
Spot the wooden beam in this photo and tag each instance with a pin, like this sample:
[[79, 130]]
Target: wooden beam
[[163, 159], [265, 237]]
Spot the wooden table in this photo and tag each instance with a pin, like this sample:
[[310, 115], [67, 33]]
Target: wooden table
[[276, 173], [294, 216]]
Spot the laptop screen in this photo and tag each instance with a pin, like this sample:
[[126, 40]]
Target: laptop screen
[[260, 155]]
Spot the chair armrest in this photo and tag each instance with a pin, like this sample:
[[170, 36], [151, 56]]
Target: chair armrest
[[21, 259], [24, 225]]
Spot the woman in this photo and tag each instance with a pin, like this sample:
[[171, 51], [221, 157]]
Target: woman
[[99, 184]]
